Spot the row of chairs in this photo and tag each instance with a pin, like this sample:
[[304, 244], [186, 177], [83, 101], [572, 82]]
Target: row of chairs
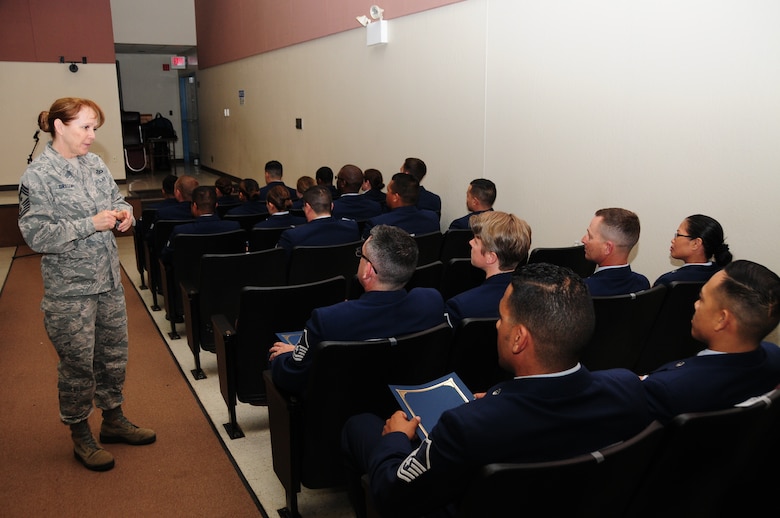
[[642, 331], [710, 464]]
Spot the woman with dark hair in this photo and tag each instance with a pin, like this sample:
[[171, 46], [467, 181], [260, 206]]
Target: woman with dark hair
[[279, 204], [699, 242], [373, 185]]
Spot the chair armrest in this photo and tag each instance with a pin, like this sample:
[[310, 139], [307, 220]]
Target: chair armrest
[[284, 413], [224, 335]]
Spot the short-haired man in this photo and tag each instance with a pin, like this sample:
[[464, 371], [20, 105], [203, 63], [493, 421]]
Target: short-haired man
[[737, 308], [388, 259], [204, 207], [182, 191], [501, 242], [321, 229], [402, 194], [480, 197], [554, 408], [324, 176], [351, 204], [608, 241], [426, 199], [273, 176]]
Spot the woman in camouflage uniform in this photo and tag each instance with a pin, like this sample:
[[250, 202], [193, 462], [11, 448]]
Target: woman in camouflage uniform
[[68, 206]]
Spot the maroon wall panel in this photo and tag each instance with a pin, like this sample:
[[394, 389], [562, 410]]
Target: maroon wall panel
[[229, 30], [44, 30]]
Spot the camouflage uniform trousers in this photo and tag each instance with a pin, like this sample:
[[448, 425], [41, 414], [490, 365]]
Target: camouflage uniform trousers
[[89, 333]]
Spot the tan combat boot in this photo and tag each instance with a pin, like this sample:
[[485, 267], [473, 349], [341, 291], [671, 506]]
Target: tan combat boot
[[86, 449], [116, 428]]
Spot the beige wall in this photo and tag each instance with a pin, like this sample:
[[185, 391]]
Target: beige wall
[[30, 88], [665, 108]]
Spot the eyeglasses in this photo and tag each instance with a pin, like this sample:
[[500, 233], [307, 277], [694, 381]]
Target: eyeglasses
[[677, 234], [360, 253]]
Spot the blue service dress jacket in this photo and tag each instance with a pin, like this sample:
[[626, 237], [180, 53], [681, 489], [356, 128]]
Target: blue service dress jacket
[[356, 206], [320, 232], [690, 272], [707, 381], [616, 281], [179, 210], [267, 187], [281, 220], [207, 224], [410, 218], [378, 196], [463, 222], [256, 206], [376, 314], [529, 419], [479, 302], [429, 201]]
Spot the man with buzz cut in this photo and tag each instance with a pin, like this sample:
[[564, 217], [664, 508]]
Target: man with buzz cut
[[608, 241], [273, 176]]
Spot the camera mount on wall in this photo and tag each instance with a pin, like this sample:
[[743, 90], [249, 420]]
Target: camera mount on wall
[[73, 66]]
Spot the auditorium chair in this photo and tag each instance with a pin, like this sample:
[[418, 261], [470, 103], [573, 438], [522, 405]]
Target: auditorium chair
[[569, 256], [264, 238], [344, 379], [593, 484], [140, 231], [474, 354], [242, 345], [247, 221], [622, 325], [455, 243], [184, 264], [315, 263], [216, 290], [158, 234], [670, 337], [428, 246], [696, 466], [460, 275]]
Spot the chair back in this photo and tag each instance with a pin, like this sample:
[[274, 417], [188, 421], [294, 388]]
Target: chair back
[[670, 337], [220, 280], [156, 242], [595, 484], [263, 312], [569, 256], [348, 378], [185, 264], [189, 248], [429, 246], [761, 458], [474, 354], [315, 263], [247, 221], [455, 243], [426, 276], [264, 238], [623, 323], [695, 467], [460, 275]]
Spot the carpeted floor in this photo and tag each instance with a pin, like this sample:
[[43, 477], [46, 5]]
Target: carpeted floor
[[185, 473]]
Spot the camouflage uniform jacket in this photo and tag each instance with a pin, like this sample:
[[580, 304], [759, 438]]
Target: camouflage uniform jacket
[[56, 205]]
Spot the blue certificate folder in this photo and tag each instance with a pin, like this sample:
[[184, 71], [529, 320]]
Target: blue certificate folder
[[290, 337], [431, 399]]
